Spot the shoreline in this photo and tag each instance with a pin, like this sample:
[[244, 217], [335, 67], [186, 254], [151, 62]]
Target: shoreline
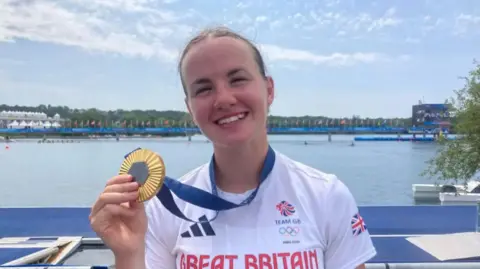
[[81, 136], [3, 136]]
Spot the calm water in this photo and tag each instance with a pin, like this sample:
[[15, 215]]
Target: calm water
[[73, 174]]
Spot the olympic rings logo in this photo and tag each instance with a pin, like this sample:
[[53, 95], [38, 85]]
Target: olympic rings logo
[[289, 231]]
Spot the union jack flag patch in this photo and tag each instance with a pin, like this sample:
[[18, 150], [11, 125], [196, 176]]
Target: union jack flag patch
[[358, 225]]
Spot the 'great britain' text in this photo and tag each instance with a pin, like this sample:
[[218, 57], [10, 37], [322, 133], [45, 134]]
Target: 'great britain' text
[[285, 260]]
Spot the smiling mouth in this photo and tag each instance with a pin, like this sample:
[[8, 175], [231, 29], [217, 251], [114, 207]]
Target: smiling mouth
[[231, 119]]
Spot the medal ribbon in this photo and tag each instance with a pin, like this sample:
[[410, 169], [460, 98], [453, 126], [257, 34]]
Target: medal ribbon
[[204, 199]]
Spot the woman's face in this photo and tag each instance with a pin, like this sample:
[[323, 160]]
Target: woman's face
[[227, 96]]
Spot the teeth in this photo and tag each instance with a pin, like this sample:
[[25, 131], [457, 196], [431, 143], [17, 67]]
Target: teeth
[[231, 119]]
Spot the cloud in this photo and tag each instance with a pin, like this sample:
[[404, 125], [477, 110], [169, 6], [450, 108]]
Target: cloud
[[91, 26], [146, 28], [386, 20], [466, 22], [342, 21], [276, 53]]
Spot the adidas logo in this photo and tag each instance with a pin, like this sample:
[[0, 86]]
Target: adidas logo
[[197, 232]]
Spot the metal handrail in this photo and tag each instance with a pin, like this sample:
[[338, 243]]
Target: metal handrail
[[440, 265]]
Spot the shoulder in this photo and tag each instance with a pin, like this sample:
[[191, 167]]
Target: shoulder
[[303, 174], [196, 176], [323, 191]]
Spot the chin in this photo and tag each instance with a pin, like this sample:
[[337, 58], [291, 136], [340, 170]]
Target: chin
[[235, 140], [232, 139]]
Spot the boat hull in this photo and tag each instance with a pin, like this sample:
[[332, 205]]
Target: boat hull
[[459, 198], [430, 192], [446, 193]]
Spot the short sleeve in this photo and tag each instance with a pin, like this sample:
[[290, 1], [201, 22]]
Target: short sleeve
[[157, 250], [348, 241]]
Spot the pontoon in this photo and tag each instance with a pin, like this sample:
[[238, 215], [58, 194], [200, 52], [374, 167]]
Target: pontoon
[[62, 237], [444, 192]]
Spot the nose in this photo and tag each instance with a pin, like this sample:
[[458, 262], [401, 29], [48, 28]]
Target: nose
[[224, 97]]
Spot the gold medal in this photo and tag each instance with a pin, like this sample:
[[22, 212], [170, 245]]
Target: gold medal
[[148, 169]]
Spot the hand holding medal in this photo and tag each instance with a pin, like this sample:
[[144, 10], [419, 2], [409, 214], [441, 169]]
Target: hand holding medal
[[118, 216]]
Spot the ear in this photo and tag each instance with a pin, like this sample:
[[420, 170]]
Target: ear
[[270, 85]]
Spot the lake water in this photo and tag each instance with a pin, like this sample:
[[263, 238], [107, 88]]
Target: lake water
[[73, 174]]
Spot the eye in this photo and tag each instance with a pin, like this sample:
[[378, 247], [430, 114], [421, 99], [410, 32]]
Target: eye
[[202, 90], [238, 80]]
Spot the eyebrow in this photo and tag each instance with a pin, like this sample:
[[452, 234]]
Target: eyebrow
[[234, 71], [229, 74]]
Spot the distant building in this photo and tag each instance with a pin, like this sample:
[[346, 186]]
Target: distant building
[[21, 120], [432, 117]]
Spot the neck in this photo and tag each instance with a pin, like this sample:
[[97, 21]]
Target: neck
[[238, 169]]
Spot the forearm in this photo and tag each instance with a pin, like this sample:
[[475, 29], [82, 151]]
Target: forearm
[[131, 261]]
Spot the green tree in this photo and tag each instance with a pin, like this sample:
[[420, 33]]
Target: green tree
[[177, 118], [459, 160]]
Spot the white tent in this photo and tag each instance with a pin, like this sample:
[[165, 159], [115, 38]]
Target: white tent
[[37, 125], [13, 124], [23, 124], [26, 115]]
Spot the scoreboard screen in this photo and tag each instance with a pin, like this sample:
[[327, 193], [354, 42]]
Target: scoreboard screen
[[431, 115]]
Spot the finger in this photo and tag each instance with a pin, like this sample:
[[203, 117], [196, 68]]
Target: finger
[[113, 198], [119, 179], [122, 187], [110, 211], [117, 210]]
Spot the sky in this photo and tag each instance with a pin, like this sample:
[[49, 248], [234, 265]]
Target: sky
[[335, 58]]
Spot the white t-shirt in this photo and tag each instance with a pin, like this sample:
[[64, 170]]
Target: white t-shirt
[[300, 218]]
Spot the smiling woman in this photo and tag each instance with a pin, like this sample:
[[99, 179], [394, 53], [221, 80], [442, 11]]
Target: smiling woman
[[286, 214], [229, 100]]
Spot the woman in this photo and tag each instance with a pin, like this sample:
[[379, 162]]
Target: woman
[[299, 218]]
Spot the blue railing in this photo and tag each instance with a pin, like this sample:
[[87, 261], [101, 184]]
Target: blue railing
[[176, 130]]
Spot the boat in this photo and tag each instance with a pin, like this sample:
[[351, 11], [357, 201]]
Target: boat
[[394, 139], [60, 237], [468, 195], [459, 198], [431, 192]]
